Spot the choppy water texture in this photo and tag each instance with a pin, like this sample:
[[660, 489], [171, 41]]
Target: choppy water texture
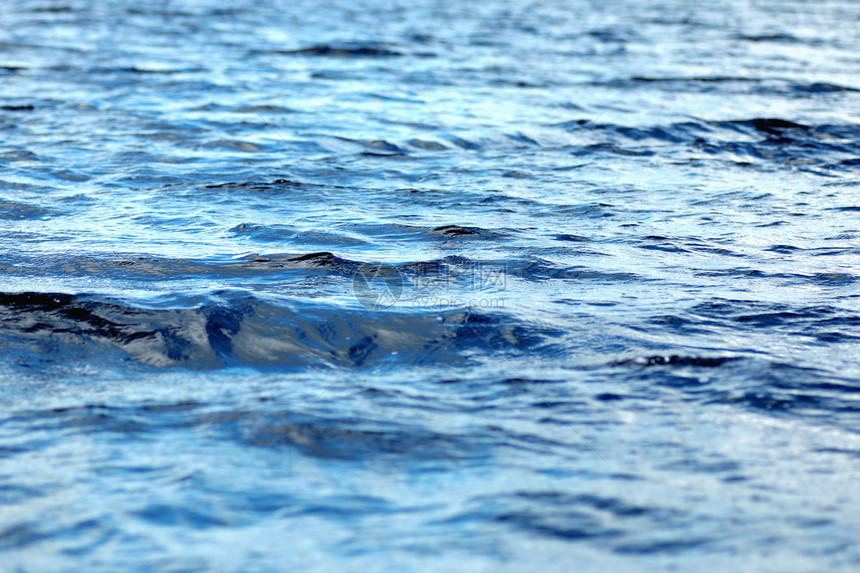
[[429, 285]]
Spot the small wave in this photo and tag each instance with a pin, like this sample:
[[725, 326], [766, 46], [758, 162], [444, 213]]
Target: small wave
[[757, 141], [263, 109], [313, 435], [13, 210], [236, 144], [677, 360], [728, 84], [354, 50], [570, 517], [466, 232], [286, 233], [234, 330], [781, 38]]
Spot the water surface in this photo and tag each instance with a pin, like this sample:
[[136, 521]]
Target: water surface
[[426, 285]]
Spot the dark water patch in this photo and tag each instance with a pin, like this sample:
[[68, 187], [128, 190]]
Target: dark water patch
[[664, 547], [261, 265], [145, 418], [523, 138], [765, 86], [613, 34], [19, 155], [337, 75], [772, 126], [517, 83], [786, 317], [394, 98], [538, 269], [850, 453], [772, 401], [375, 144], [22, 535], [233, 191], [15, 211], [572, 238], [456, 231], [676, 360], [61, 9], [349, 507], [591, 210], [612, 149], [682, 245], [361, 439], [514, 174], [465, 144], [242, 330], [358, 441], [786, 131], [752, 382], [564, 516], [236, 144], [140, 70], [677, 324], [780, 38], [387, 155], [694, 84], [185, 517], [427, 145], [850, 162], [264, 108], [820, 279], [321, 259], [258, 186], [816, 88], [836, 337], [11, 494], [757, 140], [349, 50], [661, 244], [784, 249], [755, 314], [608, 397], [706, 247], [444, 265]]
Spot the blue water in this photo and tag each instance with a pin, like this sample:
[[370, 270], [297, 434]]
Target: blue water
[[429, 286]]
